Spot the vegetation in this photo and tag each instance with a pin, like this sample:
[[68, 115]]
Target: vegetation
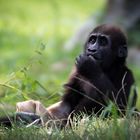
[[87, 129], [32, 34], [35, 65]]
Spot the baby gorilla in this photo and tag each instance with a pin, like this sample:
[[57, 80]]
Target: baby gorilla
[[100, 76]]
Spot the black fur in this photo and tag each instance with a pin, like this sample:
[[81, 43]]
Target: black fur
[[95, 82]]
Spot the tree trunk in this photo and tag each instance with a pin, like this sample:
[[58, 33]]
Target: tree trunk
[[124, 12]]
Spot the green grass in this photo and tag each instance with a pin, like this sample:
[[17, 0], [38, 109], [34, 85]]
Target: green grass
[[85, 129]]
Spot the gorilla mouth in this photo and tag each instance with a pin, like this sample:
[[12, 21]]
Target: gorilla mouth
[[95, 56]]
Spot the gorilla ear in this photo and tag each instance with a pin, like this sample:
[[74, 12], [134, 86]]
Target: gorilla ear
[[122, 52]]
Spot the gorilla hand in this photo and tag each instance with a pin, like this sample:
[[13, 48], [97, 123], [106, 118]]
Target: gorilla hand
[[87, 66]]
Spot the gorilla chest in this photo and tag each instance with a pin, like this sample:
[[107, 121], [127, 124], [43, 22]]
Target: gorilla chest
[[89, 89]]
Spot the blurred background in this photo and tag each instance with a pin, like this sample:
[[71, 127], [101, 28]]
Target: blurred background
[[39, 40]]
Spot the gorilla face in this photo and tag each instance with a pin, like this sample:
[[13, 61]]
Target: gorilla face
[[98, 47]]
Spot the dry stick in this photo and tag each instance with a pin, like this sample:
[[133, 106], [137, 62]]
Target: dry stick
[[86, 96], [33, 123], [92, 86], [124, 86], [16, 89]]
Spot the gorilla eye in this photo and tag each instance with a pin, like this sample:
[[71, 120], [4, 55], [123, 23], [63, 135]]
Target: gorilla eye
[[92, 39], [103, 41]]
